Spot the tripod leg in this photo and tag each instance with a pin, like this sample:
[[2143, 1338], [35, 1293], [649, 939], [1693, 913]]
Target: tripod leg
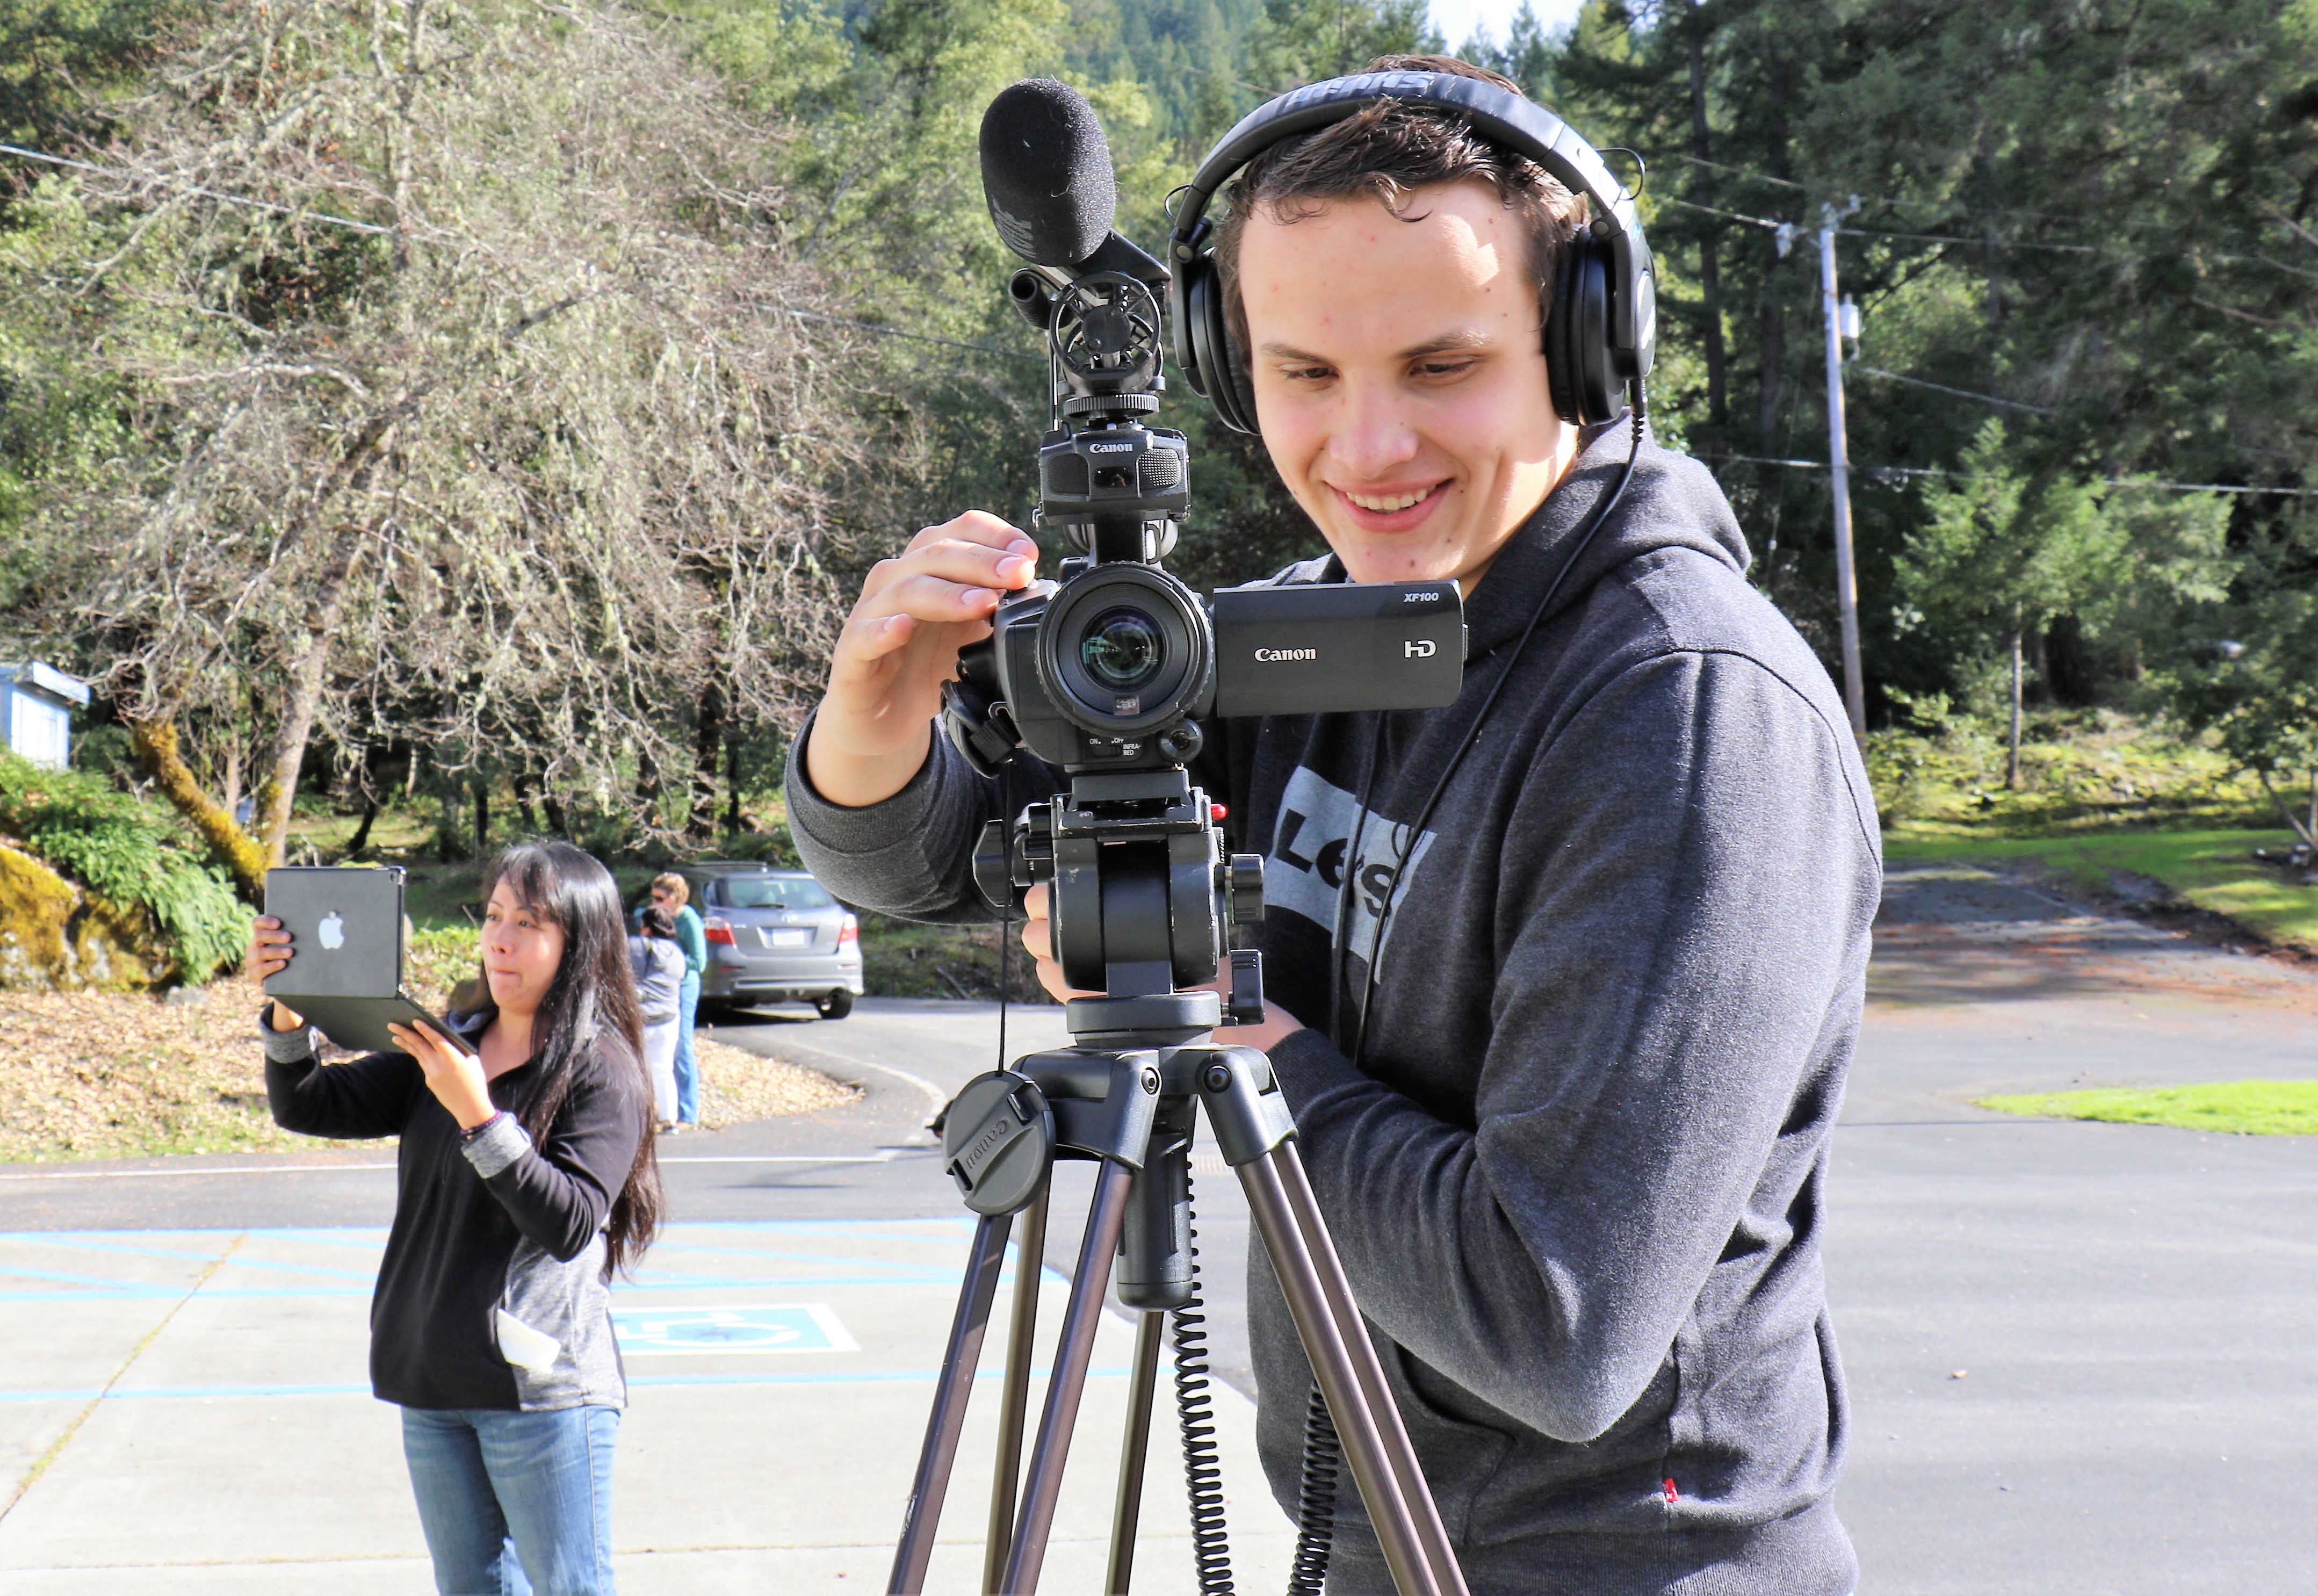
[[1088, 1281], [1127, 1511], [1344, 1363], [1399, 1452], [1030, 1266], [949, 1418]]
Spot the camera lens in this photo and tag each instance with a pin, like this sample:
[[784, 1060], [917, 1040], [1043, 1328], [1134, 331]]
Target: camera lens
[[1123, 649]]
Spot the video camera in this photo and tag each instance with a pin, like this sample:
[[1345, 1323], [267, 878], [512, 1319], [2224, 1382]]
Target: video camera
[[1112, 667]]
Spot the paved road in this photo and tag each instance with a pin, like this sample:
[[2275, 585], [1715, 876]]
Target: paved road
[[2081, 1355]]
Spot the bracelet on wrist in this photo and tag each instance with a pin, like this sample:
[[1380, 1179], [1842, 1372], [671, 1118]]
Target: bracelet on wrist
[[469, 1136]]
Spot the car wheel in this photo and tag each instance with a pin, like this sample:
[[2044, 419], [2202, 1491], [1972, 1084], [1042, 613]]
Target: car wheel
[[834, 1005]]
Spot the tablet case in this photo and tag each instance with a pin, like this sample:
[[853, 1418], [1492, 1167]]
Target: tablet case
[[346, 925]]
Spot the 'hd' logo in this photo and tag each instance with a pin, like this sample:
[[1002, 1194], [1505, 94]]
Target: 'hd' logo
[[1419, 648]]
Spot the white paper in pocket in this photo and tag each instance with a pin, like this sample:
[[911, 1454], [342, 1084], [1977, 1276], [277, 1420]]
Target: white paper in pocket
[[523, 1346]]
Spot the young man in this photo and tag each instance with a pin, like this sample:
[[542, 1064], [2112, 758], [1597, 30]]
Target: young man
[[1576, 1176]]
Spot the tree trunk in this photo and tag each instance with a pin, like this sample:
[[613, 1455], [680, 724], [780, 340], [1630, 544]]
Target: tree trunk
[[554, 809], [1717, 409], [230, 788], [156, 742], [708, 742], [483, 815], [2305, 829], [734, 822], [2012, 745], [361, 839], [526, 786], [309, 666]]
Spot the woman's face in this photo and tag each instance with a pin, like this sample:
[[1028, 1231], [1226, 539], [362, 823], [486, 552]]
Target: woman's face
[[522, 951]]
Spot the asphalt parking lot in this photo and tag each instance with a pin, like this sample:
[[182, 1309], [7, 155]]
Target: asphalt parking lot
[[2079, 1354]]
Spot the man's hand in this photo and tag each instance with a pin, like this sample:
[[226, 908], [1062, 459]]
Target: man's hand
[[900, 645], [1037, 940], [456, 1078]]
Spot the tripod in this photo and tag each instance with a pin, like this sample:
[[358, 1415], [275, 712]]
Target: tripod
[[1140, 893]]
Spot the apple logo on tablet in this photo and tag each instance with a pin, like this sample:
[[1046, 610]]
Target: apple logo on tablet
[[334, 931]]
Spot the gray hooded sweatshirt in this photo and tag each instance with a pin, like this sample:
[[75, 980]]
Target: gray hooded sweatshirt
[[1578, 1180]]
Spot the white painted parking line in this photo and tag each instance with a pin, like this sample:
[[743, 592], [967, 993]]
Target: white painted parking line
[[882, 1156]]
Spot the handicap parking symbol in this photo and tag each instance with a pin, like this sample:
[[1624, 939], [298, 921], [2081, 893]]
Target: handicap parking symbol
[[729, 1328]]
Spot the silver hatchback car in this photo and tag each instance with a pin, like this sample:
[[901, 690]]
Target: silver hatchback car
[[773, 936]]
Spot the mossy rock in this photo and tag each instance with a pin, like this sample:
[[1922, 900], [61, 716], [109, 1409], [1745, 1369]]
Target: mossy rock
[[57, 936]]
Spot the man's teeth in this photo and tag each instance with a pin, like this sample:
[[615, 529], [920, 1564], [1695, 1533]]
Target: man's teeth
[[1399, 501]]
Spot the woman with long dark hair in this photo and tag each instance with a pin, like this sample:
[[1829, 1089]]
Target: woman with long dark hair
[[525, 1177]]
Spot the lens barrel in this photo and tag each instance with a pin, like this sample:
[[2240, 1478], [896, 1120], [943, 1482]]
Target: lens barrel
[[1124, 650]]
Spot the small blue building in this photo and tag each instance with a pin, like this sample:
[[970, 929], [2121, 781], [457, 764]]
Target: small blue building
[[36, 706]]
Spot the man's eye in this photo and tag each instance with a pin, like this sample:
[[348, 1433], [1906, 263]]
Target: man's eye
[[1306, 374], [1445, 368]]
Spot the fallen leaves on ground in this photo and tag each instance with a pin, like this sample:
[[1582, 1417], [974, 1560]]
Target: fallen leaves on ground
[[89, 1075]]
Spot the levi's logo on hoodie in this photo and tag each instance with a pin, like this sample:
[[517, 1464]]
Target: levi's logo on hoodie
[[1304, 869]]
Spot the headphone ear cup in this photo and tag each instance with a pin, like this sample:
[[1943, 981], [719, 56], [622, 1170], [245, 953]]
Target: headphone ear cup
[[1221, 375], [1577, 367]]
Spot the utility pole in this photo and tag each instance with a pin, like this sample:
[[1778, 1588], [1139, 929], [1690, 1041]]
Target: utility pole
[[1838, 448]]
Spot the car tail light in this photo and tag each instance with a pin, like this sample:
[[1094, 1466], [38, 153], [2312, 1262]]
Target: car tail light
[[850, 931], [719, 931]]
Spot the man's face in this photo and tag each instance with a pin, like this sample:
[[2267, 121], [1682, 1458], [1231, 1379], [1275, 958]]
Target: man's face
[[1399, 378]]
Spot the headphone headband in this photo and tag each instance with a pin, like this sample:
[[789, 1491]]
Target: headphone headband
[[1506, 118]]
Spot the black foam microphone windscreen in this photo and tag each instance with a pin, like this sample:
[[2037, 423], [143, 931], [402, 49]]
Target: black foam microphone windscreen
[[1045, 173]]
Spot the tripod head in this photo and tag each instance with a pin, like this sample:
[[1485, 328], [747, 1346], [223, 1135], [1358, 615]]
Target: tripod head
[[1143, 898]]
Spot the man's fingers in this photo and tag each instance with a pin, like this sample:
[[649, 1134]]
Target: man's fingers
[[976, 527], [1034, 901], [1037, 940]]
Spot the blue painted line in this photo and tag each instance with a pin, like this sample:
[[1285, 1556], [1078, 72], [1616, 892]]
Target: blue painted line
[[887, 1265], [799, 1377], [114, 1286], [247, 1263]]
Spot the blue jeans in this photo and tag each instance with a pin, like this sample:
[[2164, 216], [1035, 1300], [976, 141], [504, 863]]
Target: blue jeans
[[515, 1504], [687, 1066]]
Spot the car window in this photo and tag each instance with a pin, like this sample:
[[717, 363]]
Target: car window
[[770, 891]]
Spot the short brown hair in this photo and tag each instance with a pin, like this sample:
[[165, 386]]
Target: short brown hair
[[1387, 149], [675, 886]]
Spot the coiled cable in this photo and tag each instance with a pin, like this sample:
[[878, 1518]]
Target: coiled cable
[[1195, 1412], [1315, 1499]]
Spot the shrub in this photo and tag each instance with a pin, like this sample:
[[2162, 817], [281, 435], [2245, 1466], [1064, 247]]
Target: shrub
[[132, 856]]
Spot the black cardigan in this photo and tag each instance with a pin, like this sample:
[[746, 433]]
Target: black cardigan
[[527, 1237]]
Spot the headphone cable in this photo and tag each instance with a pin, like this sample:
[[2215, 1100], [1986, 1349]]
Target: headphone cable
[[1374, 975]]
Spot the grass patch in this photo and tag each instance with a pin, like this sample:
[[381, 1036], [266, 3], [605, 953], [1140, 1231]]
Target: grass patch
[[904, 959], [2237, 1107], [2213, 870]]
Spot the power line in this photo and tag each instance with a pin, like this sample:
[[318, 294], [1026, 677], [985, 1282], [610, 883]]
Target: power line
[[1887, 471], [372, 228], [1985, 398], [207, 194]]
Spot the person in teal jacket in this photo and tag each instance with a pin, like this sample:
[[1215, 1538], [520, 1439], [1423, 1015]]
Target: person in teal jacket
[[670, 892]]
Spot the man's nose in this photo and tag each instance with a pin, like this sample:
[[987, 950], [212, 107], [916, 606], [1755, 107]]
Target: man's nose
[[1374, 436]]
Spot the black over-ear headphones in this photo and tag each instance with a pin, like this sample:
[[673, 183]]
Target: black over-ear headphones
[[1602, 326]]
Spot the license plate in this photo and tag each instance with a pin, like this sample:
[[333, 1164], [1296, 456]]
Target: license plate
[[787, 938]]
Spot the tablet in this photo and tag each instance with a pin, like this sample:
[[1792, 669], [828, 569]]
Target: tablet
[[345, 971]]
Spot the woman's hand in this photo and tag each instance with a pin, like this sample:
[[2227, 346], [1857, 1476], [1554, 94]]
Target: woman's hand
[[269, 954], [900, 645], [1037, 940], [456, 1078]]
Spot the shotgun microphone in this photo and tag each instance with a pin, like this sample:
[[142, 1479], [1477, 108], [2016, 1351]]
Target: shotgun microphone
[[1045, 173]]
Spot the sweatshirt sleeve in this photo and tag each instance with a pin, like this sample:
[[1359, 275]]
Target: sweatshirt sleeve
[[365, 1097], [559, 1194], [912, 856], [1681, 920]]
